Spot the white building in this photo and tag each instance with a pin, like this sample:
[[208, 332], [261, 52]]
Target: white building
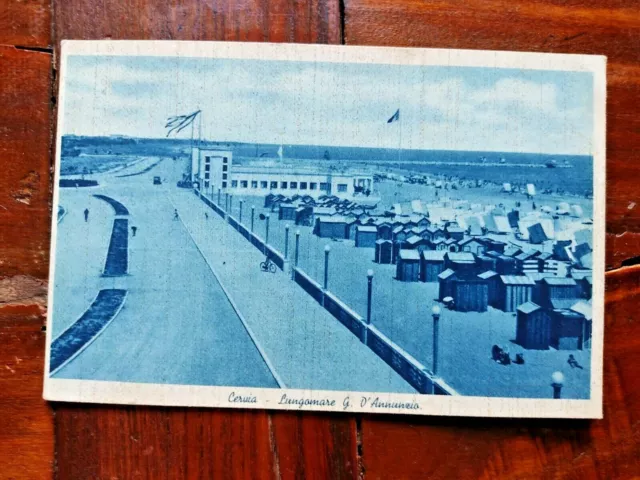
[[211, 168], [214, 169]]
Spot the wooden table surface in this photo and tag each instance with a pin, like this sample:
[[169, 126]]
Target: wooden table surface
[[38, 440]]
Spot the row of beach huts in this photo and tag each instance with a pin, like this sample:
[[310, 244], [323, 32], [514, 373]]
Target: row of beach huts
[[549, 291]]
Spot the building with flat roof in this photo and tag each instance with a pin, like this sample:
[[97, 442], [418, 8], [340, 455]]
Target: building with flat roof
[[212, 168]]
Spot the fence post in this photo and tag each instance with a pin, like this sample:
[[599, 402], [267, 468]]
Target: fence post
[[253, 211], [240, 211]]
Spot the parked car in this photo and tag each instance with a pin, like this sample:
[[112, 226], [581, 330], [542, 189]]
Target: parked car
[[157, 181]]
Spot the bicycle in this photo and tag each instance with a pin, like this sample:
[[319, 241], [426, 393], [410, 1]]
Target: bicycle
[[268, 266]]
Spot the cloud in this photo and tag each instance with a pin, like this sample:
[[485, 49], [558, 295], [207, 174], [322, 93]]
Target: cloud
[[334, 104]]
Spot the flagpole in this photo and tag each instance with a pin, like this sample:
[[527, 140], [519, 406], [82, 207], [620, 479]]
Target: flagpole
[[199, 128], [400, 136]]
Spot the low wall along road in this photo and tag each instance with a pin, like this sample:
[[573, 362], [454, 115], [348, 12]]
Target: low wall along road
[[404, 364]]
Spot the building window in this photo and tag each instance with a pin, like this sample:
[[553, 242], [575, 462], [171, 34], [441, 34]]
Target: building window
[[313, 186], [263, 184], [293, 185], [283, 185], [274, 185], [224, 159], [206, 184], [254, 184], [324, 186], [342, 187], [303, 185], [244, 184], [207, 167], [206, 175], [234, 183], [224, 168], [207, 159], [224, 184], [224, 176]]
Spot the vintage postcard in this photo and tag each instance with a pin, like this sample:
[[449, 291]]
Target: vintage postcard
[[352, 229]]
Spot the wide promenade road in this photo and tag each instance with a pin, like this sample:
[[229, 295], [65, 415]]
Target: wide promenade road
[[177, 325], [308, 347]]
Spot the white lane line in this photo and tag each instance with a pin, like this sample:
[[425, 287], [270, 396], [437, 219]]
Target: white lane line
[[253, 337]]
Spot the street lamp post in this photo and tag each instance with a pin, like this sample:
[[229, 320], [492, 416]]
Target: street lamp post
[[435, 312], [369, 293], [266, 235], [557, 381], [295, 261], [230, 204], [286, 241], [226, 202], [219, 193], [240, 217], [327, 249], [253, 211]]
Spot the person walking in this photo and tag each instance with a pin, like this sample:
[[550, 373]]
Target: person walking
[[86, 214], [175, 214], [134, 229]]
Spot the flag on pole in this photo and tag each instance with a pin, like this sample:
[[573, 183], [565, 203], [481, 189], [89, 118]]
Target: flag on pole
[[395, 117], [180, 122]]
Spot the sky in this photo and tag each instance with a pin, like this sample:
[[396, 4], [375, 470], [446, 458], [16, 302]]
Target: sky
[[340, 104]]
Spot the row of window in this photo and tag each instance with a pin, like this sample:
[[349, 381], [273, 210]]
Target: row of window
[[207, 167], [207, 184], [207, 159], [342, 187]]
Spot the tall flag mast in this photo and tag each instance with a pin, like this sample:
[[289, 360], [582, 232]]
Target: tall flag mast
[[396, 118], [179, 122]]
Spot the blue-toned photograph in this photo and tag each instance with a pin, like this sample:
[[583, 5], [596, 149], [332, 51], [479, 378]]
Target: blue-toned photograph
[[324, 225]]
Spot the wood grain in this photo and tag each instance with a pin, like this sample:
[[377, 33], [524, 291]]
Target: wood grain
[[26, 423], [315, 21], [25, 23], [25, 144]]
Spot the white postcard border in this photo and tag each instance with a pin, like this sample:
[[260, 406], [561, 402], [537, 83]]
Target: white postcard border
[[213, 396]]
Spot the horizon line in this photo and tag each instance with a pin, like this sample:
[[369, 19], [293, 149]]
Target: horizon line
[[119, 135]]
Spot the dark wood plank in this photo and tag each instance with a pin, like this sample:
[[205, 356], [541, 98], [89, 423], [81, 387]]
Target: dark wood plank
[[26, 23], [610, 28], [182, 443], [26, 423], [162, 443], [479, 448], [25, 144], [316, 21], [315, 445]]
